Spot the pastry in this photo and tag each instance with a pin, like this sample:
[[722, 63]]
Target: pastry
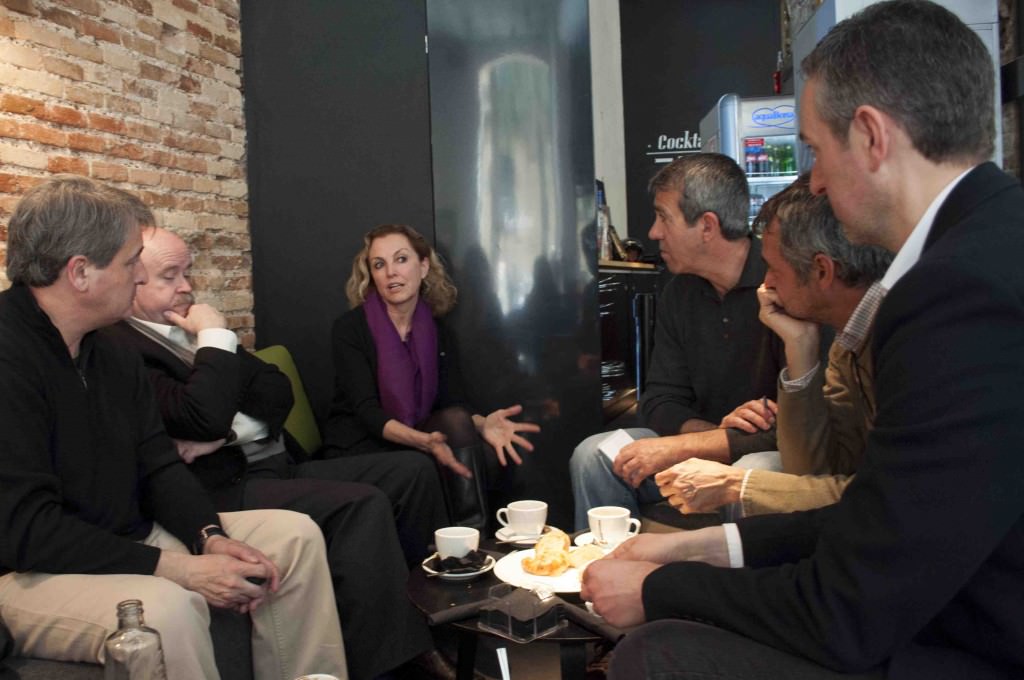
[[584, 555], [550, 555]]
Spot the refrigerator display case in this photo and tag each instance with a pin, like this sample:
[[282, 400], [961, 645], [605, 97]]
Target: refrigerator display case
[[759, 133]]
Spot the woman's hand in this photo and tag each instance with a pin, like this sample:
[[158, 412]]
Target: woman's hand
[[502, 433], [435, 444]]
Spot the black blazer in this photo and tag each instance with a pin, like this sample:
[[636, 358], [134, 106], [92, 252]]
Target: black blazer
[[355, 423], [199, 402], [921, 563]]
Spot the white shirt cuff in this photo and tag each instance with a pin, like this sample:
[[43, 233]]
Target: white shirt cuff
[[734, 544], [248, 429], [800, 383], [220, 338]]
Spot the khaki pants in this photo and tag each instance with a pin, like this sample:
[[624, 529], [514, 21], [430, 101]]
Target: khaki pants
[[296, 631]]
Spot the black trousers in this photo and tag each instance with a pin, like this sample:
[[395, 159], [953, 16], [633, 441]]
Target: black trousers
[[381, 628], [684, 650]]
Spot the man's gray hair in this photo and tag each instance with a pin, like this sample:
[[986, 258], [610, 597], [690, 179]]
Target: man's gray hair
[[708, 182], [808, 227], [916, 62], [65, 216]]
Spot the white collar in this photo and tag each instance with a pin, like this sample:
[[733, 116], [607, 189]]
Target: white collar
[[910, 252], [179, 338]]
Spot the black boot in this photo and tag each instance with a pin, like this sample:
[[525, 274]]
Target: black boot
[[467, 498]]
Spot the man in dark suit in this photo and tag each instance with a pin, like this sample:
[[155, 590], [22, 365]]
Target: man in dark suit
[[225, 409], [918, 571]]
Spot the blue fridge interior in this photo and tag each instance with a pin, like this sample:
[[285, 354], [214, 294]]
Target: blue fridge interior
[[760, 134]]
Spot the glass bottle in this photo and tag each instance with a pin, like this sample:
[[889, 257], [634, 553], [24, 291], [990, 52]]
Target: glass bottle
[[133, 651]]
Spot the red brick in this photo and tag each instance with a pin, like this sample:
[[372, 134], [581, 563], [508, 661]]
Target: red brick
[[150, 27], [195, 144], [87, 6], [186, 5], [59, 16], [238, 283], [153, 72], [106, 123], [14, 103], [140, 6], [204, 111], [155, 200], [186, 84], [177, 182], [213, 54], [16, 184], [139, 88], [227, 44], [227, 7], [86, 142], [64, 115], [146, 133], [199, 31], [141, 45], [199, 67], [101, 31], [22, 6], [128, 150], [161, 158], [63, 68], [190, 164], [109, 172], [70, 164], [84, 95], [43, 134], [123, 105], [147, 177]]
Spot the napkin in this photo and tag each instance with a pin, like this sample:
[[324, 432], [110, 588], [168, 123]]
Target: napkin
[[467, 564]]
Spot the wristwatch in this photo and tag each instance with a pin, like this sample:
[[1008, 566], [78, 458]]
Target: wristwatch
[[204, 535]]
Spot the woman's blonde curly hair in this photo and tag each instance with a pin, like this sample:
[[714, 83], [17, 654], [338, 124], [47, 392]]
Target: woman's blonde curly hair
[[436, 289]]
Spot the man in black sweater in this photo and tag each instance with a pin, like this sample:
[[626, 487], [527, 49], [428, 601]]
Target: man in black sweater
[[96, 507], [917, 571]]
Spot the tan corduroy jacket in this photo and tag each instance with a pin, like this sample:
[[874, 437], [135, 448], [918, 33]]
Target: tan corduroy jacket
[[822, 432]]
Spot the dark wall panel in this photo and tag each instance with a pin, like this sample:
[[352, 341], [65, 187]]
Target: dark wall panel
[[337, 113], [678, 58]]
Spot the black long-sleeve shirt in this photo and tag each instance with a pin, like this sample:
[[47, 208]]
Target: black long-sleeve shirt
[[85, 464]]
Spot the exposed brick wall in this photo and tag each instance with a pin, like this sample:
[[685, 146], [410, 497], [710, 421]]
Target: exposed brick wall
[[146, 95]]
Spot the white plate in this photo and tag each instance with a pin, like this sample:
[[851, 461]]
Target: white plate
[[586, 538], [506, 534], [510, 570], [488, 565]]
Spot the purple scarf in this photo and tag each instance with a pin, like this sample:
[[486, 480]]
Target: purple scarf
[[406, 371]]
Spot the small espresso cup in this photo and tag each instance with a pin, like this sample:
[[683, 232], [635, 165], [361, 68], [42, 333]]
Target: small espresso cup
[[611, 525], [524, 518], [456, 541]]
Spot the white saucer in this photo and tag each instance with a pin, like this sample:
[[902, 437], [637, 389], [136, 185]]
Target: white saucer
[[489, 563], [586, 538], [506, 534]]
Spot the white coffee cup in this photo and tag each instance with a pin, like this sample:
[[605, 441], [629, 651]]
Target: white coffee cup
[[317, 676], [456, 541], [611, 524], [524, 518]]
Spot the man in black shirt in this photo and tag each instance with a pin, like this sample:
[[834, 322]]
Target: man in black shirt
[[710, 351], [95, 501]]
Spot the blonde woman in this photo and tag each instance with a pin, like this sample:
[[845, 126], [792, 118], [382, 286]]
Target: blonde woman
[[397, 384]]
